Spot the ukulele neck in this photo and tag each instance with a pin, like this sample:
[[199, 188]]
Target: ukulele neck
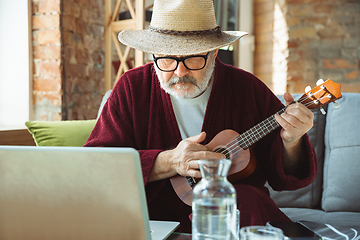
[[254, 134]]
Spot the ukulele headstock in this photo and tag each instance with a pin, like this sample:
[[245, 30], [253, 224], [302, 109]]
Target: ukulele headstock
[[324, 93]]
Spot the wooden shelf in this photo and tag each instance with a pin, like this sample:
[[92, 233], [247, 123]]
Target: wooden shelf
[[136, 9]]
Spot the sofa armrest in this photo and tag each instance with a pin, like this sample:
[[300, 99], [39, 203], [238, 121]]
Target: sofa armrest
[[103, 101]]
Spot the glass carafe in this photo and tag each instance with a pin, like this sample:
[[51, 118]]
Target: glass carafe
[[214, 203]]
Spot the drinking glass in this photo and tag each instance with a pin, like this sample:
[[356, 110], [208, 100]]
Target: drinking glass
[[261, 233]]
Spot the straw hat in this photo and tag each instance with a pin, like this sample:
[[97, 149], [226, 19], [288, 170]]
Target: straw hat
[[180, 27]]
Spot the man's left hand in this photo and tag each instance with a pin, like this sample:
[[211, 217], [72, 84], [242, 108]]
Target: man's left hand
[[295, 121]]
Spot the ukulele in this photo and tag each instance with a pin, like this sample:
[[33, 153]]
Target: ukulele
[[236, 147]]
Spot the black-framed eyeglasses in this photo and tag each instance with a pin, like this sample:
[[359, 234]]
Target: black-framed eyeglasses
[[169, 64]]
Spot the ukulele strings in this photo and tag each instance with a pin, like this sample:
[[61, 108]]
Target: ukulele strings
[[234, 143]]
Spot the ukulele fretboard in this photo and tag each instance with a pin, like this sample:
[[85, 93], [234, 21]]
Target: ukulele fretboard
[[259, 131]]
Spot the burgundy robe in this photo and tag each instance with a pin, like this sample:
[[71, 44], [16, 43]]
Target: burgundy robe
[[139, 114]]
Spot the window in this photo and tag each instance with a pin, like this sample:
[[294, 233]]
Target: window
[[237, 15], [15, 65]]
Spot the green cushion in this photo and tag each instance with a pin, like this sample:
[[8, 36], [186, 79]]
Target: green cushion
[[72, 133]]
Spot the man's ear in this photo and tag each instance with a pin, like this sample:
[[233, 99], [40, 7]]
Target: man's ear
[[216, 53]]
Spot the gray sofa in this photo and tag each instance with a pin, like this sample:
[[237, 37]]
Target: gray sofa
[[334, 196]]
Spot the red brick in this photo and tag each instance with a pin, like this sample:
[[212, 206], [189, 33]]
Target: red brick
[[97, 58], [47, 85], [75, 70], [72, 38], [50, 69], [48, 36], [69, 54], [316, 20], [93, 43], [98, 30], [333, 31], [85, 15], [300, 10], [324, 8], [46, 21], [293, 44], [82, 56], [293, 21], [86, 87], [46, 6], [96, 101], [68, 23], [84, 3], [305, 32], [352, 75], [82, 28], [95, 16], [339, 64], [71, 9], [97, 74], [305, 41], [53, 97], [296, 65], [47, 52]]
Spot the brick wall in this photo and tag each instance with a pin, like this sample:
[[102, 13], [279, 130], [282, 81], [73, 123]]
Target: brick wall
[[323, 42], [47, 85], [68, 47], [297, 42], [84, 50]]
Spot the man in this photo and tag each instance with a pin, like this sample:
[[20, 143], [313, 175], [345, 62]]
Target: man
[[170, 109]]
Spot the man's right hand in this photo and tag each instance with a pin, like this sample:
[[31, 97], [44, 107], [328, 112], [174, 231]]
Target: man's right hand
[[183, 159]]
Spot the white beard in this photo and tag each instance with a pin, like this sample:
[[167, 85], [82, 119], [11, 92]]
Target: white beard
[[192, 91]]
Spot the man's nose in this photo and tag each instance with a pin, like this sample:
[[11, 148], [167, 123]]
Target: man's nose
[[181, 70]]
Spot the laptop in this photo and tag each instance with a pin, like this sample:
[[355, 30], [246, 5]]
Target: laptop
[[74, 193]]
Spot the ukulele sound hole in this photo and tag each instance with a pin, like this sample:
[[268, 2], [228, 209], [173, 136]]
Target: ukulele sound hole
[[223, 151]]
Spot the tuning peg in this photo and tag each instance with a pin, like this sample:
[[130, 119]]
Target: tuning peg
[[322, 111], [319, 82], [307, 89], [336, 104]]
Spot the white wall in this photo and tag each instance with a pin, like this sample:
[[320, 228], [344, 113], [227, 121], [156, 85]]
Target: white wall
[[246, 43], [14, 63]]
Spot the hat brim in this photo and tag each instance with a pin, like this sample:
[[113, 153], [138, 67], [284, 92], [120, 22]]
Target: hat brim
[[159, 43]]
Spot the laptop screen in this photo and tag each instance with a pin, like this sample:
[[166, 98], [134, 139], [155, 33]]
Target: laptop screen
[[72, 193]]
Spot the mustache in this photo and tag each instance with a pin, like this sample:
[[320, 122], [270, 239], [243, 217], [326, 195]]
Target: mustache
[[176, 80]]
